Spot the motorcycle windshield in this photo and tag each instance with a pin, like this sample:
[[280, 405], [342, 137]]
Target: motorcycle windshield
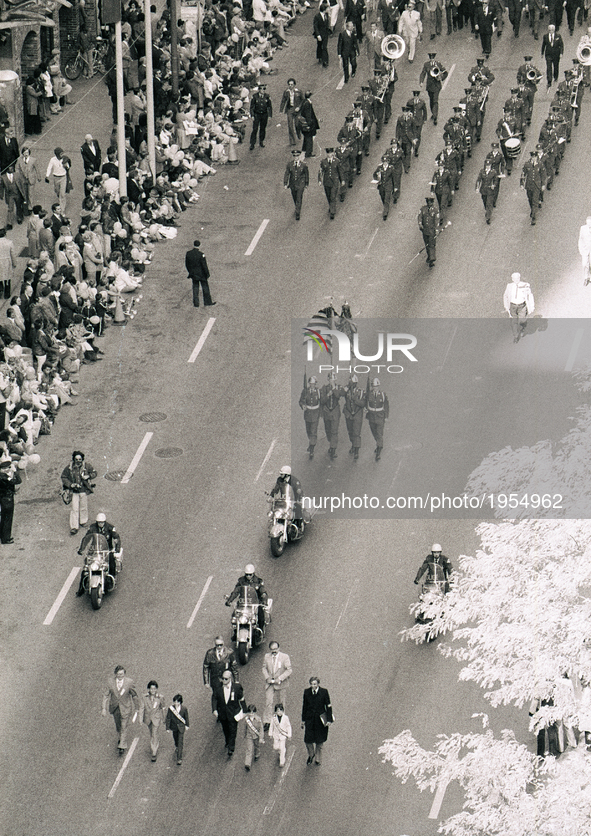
[[436, 572], [247, 597], [98, 544], [286, 497]]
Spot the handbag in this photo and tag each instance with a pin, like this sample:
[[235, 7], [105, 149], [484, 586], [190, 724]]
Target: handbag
[[66, 495]]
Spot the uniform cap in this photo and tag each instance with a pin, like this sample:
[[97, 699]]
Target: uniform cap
[[432, 54], [416, 92], [375, 382], [349, 118], [480, 61], [529, 58], [329, 150], [494, 144], [295, 153], [429, 198]]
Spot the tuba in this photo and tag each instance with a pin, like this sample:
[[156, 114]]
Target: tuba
[[435, 72], [584, 54], [393, 47]]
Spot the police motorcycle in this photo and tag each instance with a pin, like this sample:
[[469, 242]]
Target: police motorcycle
[[283, 528], [246, 632], [96, 578], [434, 588]]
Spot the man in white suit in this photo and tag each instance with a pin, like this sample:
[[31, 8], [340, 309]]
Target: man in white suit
[[276, 670]]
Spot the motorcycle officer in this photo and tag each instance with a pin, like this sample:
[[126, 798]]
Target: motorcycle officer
[[249, 578], [436, 558], [101, 526], [286, 478]]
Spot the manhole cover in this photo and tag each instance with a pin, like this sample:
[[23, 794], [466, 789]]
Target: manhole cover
[[115, 475], [153, 417], [169, 452]]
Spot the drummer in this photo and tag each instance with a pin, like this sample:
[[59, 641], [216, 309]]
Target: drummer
[[510, 142]]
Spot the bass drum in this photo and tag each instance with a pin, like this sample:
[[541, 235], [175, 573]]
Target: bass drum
[[513, 147]]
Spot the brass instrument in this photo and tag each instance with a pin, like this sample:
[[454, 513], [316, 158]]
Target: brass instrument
[[574, 93], [435, 72], [484, 98], [584, 54], [393, 47]]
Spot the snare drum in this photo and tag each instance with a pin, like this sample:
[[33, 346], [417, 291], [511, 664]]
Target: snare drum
[[513, 147]]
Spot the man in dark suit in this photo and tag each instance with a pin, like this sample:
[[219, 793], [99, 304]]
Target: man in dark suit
[[121, 698], [316, 717], [331, 177], [91, 153], [9, 152], [198, 271], [291, 101], [486, 16], [321, 25], [227, 702], [355, 11], [348, 49], [552, 49], [297, 178]]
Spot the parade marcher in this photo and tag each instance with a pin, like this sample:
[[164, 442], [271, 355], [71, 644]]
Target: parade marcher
[[378, 411], [196, 265], [346, 159], [177, 721], [297, 178], [486, 19], [385, 177], [217, 660], [434, 74], [367, 100], [321, 24], [429, 224], [552, 49], [395, 158], [481, 75], [441, 183], [331, 178], [254, 736], [536, 12], [308, 124], [10, 480], [350, 135], [507, 129], [452, 15], [261, 110], [528, 78], [405, 136], [452, 161], [376, 84], [497, 161], [429, 564], [348, 50], [487, 184], [153, 714], [280, 731], [355, 402], [410, 28], [433, 14], [228, 705], [362, 121], [473, 116], [310, 403], [518, 301], [110, 533], [373, 45], [533, 182], [276, 672], [585, 41], [585, 250], [77, 478], [515, 8], [250, 578], [355, 11], [514, 107], [418, 108], [316, 717], [331, 412], [121, 699], [291, 103]]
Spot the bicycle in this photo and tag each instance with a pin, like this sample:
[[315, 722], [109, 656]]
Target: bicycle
[[78, 63]]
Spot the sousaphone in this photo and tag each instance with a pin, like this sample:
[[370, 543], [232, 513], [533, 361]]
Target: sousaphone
[[393, 47]]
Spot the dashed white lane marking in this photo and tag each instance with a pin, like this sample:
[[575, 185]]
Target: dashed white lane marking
[[128, 757], [136, 459], [277, 789], [367, 249], [344, 610], [574, 350], [266, 459], [449, 75], [341, 83], [257, 237], [201, 340], [62, 594], [199, 602], [438, 800], [451, 339]]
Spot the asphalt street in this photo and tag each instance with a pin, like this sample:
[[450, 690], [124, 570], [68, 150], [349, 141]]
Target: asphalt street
[[194, 511]]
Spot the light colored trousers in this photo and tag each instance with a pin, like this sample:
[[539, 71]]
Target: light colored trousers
[[78, 510]]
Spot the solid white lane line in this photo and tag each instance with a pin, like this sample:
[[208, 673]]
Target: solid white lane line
[[136, 459], [199, 602], [257, 237], [451, 339], [574, 350], [276, 790], [438, 800], [367, 249], [201, 340], [341, 83], [63, 592], [266, 459], [128, 756], [344, 610], [449, 75]]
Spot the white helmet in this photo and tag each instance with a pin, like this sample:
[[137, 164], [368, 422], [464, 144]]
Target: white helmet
[[436, 548], [100, 517], [249, 569], [375, 382], [285, 470]]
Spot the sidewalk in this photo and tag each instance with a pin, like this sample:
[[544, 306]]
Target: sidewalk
[[90, 113]]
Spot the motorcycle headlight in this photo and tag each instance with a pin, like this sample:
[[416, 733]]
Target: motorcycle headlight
[[94, 566], [243, 620]]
